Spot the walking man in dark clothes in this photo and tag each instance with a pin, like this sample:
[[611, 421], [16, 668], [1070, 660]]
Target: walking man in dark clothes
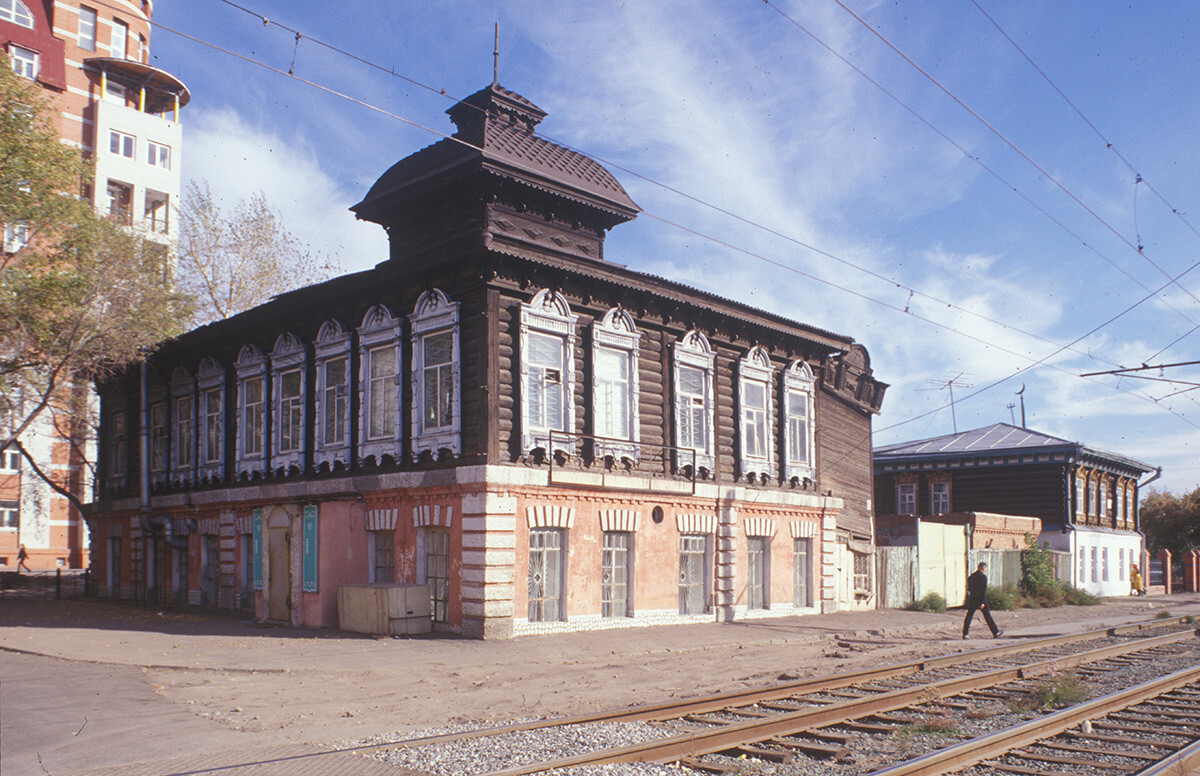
[[977, 599]]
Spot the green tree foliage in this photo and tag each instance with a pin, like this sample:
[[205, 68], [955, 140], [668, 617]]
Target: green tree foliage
[[1171, 522], [81, 296], [231, 262]]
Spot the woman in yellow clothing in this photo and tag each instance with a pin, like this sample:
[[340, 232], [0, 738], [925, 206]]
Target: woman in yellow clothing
[[1135, 581]]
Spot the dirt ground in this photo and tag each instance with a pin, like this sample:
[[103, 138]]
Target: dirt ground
[[317, 686]]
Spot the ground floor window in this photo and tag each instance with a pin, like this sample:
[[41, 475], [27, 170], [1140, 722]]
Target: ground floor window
[[801, 555], [693, 574], [210, 572], [1095, 564], [862, 572], [545, 575], [614, 581], [1104, 563], [437, 571], [247, 571], [1082, 565], [181, 576], [382, 556], [757, 572], [114, 565]]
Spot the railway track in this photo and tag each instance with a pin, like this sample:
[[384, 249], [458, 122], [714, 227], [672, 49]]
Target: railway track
[[838, 722]]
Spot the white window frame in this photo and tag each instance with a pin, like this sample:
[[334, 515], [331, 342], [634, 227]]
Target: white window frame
[[287, 358], [616, 335], [758, 590], [25, 62], [1102, 500], [158, 155], [435, 315], [252, 365], [1080, 503], [182, 428], [802, 586], [798, 383], [333, 344], [16, 236], [16, 12], [118, 47], [10, 516], [548, 315], [693, 351], [616, 555], [939, 498], [211, 380], [379, 329], [122, 143], [756, 443], [906, 493], [535, 613], [86, 37], [706, 564]]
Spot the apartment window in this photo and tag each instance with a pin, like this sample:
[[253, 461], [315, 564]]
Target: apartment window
[[10, 515], [158, 155], [757, 572], [379, 364], [798, 385], [906, 498], [87, 28], [939, 498], [693, 573], [120, 200], [615, 575], [437, 571], [754, 378], [120, 39], [185, 439], [291, 411], [381, 393], [694, 359], [16, 236], [214, 421], [121, 143], [16, 12], [801, 568], [24, 61], [547, 371], [158, 437], [335, 393], [254, 415], [117, 447], [546, 575], [383, 556], [158, 211]]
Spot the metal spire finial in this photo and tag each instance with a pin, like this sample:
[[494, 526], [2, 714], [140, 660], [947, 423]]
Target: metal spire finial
[[496, 58]]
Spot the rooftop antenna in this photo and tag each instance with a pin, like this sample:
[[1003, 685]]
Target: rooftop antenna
[[1021, 393], [950, 383], [496, 58], [1010, 407]]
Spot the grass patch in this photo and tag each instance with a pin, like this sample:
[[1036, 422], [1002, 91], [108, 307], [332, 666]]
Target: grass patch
[[1054, 692], [932, 602], [938, 725], [1164, 615]]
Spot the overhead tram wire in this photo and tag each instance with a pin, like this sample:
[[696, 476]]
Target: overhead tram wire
[[1016, 149], [867, 437], [743, 219]]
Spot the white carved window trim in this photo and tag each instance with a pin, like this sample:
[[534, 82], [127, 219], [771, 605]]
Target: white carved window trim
[[548, 314], [798, 380], [435, 314], [211, 377], [906, 498], [182, 419], [379, 329], [252, 364], [692, 350], [754, 371], [288, 356], [616, 332], [333, 343]]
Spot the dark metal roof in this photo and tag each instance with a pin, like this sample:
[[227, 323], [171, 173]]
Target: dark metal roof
[[495, 130], [996, 438], [161, 87]]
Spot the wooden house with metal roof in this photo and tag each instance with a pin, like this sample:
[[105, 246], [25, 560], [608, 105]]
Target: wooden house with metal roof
[[546, 439]]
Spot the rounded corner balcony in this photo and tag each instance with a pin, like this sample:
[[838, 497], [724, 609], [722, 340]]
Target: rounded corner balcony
[[162, 91]]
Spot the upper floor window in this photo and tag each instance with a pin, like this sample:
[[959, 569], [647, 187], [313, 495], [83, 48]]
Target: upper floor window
[[754, 389], [10, 462], [16, 236], [158, 155], [213, 419], [252, 406], [16, 12], [1102, 509], [121, 143], [379, 406], [287, 384], [694, 359], [291, 410], [798, 428], [333, 395], [183, 417], [547, 372], [615, 341], [906, 498], [87, 28], [159, 438], [939, 498], [158, 211], [120, 39], [435, 374], [1080, 504], [117, 447], [120, 202], [211, 380], [24, 61]]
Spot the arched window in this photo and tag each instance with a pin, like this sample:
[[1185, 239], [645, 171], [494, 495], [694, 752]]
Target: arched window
[[798, 385], [547, 372], [16, 12], [694, 359], [754, 399], [436, 423]]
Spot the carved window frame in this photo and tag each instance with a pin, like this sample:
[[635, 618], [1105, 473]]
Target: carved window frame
[[548, 314], [616, 333], [693, 350], [182, 432], [379, 329], [798, 381], [251, 364], [333, 343], [210, 379], [287, 357], [755, 372], [434, 314]]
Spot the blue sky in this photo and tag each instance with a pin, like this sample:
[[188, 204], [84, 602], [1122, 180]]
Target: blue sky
[[907, 177]]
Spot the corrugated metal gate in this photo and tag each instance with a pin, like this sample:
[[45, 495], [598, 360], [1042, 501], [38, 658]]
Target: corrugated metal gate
[[897, 574]]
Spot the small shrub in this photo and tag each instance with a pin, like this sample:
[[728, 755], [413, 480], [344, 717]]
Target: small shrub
[[1076, 597], [1190, 619], [1163, 615], [932, 602], [1054, 692], [932, 725], [1002, 599]]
